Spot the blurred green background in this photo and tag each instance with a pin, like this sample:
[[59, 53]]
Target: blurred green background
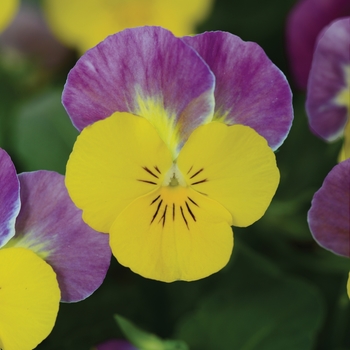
[[280, 291]]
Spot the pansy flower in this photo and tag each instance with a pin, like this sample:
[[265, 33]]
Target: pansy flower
[[47, 254], [176, 145], [84, 23], [328, 93], [8, 9], [304, 23]]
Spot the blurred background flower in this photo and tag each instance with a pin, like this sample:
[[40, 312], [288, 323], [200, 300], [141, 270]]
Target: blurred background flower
[[304, 23], [82, 24], [8, 9]]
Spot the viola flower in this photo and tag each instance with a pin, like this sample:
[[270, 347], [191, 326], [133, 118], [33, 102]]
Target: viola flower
[[304, 23], [328, 101], [47, 254], [115, 344], [84, 23], [168, 186], [8, 9]]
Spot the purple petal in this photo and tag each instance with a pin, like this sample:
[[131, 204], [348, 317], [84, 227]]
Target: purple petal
[[148, 63], [329, 77], [51, 225], [250, 89], [10, 203], [304, 23], [329, 216], [115, 344]]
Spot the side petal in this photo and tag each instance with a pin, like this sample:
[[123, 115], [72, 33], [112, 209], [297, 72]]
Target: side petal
[[232, 165], [50, 225], [113, 162], [144, 71], [328, 92], [160, 237], [250, 89], [29, 299], [10, 202], [304, 23], [329, 216]]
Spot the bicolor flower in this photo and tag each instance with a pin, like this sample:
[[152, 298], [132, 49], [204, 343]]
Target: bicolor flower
[[84, 23], [168, 186], [47, 254], [304, 23], [328, 93], [8, 9]]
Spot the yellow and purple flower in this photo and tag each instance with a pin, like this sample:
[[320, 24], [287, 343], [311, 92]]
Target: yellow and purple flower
[[47, 254], [168, 186], [305, 22]]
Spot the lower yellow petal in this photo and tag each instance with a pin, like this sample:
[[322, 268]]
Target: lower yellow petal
[[29, 299], [233, 165], [113, 162], [173, 234]]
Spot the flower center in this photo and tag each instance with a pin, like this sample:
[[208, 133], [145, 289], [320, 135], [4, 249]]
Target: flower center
[[174, 177]]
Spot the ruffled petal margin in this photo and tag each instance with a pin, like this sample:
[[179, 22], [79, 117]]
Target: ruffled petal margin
[[50, 225], [329, 216], [249, 89], [10, 203], [29, 299]]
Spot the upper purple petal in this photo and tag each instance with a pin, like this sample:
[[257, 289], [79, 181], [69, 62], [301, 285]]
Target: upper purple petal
[[304, 23], [147, 63], [250, 89], [51, 225], [10, 203], [328, 77], [115, 344], [329, 216]]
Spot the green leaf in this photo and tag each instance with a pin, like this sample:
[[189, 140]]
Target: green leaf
[[44, 134], [260, 309], [144, 340]]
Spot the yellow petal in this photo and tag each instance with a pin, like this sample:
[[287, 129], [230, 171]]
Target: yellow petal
[[232, 165], [173, 233], [29, 299], [8, 9], [113, 162], [85, 23], [345, 151]]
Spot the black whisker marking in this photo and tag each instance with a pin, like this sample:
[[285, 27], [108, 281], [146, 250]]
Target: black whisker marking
[[164, 215], [155, 200], [157, 210], [195, 174], [157, 169], [173, 211], [190, 170], [199, 182], [183, 216], [190, 211], [150, 172], [148, 182], [193, 201]]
